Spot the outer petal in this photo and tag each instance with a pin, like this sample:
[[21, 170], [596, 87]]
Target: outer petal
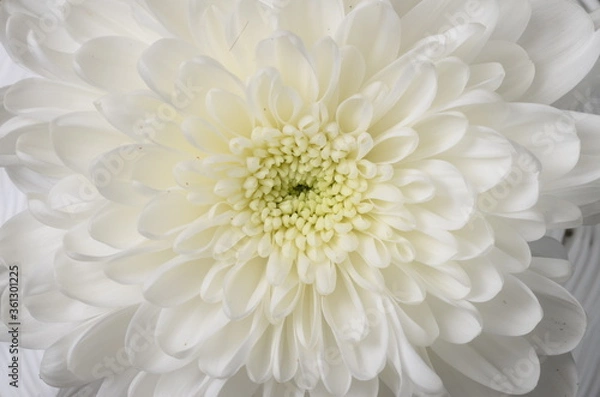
[[572, 44]]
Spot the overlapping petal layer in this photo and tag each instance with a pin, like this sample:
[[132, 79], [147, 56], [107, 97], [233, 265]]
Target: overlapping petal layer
[[265, 198]]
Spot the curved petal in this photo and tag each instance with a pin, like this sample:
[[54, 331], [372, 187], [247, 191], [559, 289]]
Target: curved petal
[[554, 52]]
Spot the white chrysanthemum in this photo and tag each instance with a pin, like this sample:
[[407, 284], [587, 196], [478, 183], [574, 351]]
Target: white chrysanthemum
[[303, 197]]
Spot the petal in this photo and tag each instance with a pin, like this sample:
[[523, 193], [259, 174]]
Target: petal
[[185, 273], [447, 280], [245, 286], [505, 364], [513, 19], [418, 323], [224, 353], [514, 311], [564, 321], [86, 354], [325, 16], [486, 279], [160, 64], [354, 114], [53, 306], [438, 133], [134, 266], [440, 16], [71, 135], [110, 63], [459, 322], [458, 384], [412, 363], [559, 377], [114, 225], [518, 68], [511, 252], [87, 283], [142, 349], [393, 146], [197, 322], [173, 16], [156, 221], [368, 388], [287, 54], [550, 259], [554, 52], [45, 99], [344, 311], [86, 21], [374, 28], [230, 112]]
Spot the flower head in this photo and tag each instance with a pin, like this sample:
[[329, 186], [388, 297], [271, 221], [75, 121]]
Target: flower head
[[281, 198]]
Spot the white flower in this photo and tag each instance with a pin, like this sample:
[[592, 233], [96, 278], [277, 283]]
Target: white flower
[[275, 198]]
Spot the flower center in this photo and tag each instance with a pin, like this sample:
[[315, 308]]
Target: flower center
[[301, 186]]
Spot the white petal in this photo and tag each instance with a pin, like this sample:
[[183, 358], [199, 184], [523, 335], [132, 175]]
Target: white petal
[[140, 339], [344, 311], [514, 311], [564, 322], [354, 114], [511, 252], [518, 68], [335, 374], [46, 99], [197, 322], [156, 221], [440, 16], [87, 283], [402, 286], [114, 225], [284, 298], [53, 306], [513, 19], [174, 16], [550, 259], [134, 266], [393, 146], [72, 134], [458, 384], [110, 63], [483, 156], [308, 318], [554, 52], [418, 323], [369, 388], [160, 64], [325, 16], [86, 21], [459, 322], [85, 359], [374, 28], [414, 365], [438, 133], [224, 353], [448, 280], [230, 112], [494, 361], [187, 381], [486, 279], [286, 53], [245, 286], [559, 377], [352, 72], [185, 273]]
